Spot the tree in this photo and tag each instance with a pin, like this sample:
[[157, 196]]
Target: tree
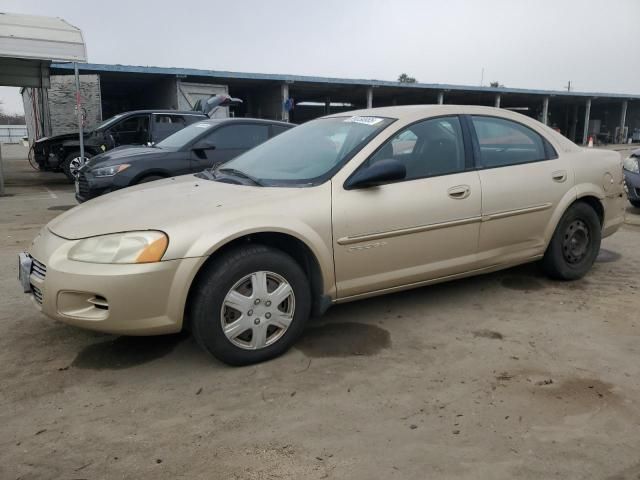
[[10, 118], [496, 85], [404, 78]]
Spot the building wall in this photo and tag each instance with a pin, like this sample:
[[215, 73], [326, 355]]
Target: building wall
[[62, 103]]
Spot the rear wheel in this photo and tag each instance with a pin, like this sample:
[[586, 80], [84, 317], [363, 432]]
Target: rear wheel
[[575, 243], [635, 203], [250, 305], [72, 163]]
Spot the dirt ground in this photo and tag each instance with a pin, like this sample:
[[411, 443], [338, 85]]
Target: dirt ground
[[502, 376]]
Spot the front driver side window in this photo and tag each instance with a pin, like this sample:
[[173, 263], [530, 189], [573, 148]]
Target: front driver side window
[[427, 149]]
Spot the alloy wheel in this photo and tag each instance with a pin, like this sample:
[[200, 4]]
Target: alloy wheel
[[76, 164]]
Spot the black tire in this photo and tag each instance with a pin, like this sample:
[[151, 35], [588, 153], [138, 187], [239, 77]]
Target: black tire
[[565, 260], [220, 276], [635, 203], [149, 178], [66, 163]]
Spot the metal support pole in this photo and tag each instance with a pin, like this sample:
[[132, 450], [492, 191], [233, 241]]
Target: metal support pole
[[574, 124], [284, 97], [440, 98], [623, 120], [79, 111], [587, 112], [545, 110], [369, 97], [498, 98], [1, 174]]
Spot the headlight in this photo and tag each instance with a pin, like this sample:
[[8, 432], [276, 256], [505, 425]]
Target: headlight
[[109, 171], [129, 247], [631, 164]]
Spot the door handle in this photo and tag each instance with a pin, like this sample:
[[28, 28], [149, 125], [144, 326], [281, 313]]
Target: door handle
[[459, 192], [559, 176]]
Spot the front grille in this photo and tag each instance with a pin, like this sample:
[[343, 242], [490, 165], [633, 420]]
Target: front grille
[[38, 269], [83, 185], [37, 293]]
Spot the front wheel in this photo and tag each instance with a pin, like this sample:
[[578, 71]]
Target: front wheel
[[72, 164], [575, 243], [250, 305]]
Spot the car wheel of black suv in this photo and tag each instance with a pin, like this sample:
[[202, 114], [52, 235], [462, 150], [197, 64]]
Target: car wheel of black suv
[[71, 164], [635, 203], [250, 305], [575, 243]]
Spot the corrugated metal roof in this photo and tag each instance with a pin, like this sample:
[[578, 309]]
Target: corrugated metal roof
[[193, 72], [36, 37]]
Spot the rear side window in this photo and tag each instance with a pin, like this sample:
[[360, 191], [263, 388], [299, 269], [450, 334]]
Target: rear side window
[[503, 142], [239, 136], [165, 125]]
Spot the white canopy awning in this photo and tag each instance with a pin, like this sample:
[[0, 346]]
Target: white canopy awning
[[28, 45]]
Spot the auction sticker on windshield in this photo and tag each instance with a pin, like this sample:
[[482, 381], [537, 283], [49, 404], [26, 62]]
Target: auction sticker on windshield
[[364, 120]]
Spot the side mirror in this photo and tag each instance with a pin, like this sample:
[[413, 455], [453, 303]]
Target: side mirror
[[384, 171], [200, 151]]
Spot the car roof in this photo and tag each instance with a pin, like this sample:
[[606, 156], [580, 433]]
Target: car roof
[[179, 112], [221, 121], [414, 113]]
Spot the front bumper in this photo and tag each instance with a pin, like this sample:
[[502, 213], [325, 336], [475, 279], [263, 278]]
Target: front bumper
[[632, 185], [132, 299], [88, 186]]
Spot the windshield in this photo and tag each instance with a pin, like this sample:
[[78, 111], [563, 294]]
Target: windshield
[[184, 136], [310, 153], [109, 121]]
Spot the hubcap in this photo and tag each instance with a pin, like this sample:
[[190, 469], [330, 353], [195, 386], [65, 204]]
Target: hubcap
[[257, 310], [575, 244], [75, 164]]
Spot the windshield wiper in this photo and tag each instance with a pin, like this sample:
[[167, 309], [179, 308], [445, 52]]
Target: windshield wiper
[[239, 173]]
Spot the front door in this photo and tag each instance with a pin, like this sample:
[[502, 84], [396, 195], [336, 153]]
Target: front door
[[523, 180], [133, 130], [418, 229], [228, 142]]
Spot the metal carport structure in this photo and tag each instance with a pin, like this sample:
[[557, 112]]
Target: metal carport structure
[[28, 45]]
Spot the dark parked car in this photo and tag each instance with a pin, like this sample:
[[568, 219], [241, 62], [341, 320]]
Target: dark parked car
[[632, 177], [193, 149], [62, 152]]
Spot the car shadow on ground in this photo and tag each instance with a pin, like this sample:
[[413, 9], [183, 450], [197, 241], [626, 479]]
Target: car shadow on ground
[[336, 334]]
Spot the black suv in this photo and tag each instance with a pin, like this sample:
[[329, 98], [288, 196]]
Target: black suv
[[197, 147], [139, 127]]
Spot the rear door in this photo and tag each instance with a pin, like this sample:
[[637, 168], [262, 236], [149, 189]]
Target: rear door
[[523, 180]]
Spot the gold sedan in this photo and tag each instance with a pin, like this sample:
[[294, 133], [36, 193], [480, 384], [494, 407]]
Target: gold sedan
[[341, 208]]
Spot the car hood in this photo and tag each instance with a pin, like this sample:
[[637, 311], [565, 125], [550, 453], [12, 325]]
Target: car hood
[[165, 205], [124, 154], [64, 136]]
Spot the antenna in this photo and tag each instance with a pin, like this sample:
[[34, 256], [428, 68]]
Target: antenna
[[482, 76]]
